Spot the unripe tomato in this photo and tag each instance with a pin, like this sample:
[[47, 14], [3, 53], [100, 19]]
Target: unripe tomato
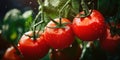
[[89, 28]]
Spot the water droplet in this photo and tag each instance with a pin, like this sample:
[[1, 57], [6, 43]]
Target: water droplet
[[71, 45], [30, 2], [56, 49]]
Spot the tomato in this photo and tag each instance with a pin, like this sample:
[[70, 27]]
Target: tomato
[[10, 54], [89, 28], [69, 53], [110, 43], [59, 38], [33, 49]]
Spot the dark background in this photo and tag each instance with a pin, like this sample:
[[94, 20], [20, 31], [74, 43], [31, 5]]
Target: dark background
[[23, 5]]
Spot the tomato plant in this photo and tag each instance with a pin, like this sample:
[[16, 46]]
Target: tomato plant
[[61, 37], [11, 54], [89, 28], [33, 49]]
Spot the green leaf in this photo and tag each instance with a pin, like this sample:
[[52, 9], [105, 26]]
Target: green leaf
[[28, 19], [12, 16], [27, 14], [52, 7]]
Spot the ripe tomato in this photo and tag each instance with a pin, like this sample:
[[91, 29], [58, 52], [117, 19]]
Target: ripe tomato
[[59, 38], [110, 43], [89, 28], [11, 55], [33, 49], [70, 53]]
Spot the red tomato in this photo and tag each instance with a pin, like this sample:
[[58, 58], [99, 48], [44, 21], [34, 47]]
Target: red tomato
[[110, 43], [11, 55], [70, 53], [59, 38], [33, 49], [89, 28]]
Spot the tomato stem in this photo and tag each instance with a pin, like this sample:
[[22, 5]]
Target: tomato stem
[[60, 12], [17, 50], [84, 49], [60, 22], [40, 13], [34, 21]]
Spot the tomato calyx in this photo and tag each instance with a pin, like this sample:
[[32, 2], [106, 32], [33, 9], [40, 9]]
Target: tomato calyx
[[114, 29], [35, 34], [59, 24]]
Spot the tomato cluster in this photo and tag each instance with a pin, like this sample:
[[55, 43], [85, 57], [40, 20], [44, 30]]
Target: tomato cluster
[[60, 34]]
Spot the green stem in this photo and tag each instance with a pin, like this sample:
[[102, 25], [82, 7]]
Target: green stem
[[34, 21], [39, 2], [38, 23], [84, 50], [60, 12], [17, 50], [37, 16], [64, 6], [53, 20], [60, 22], [42, 9], [34, 26], [34, 33]]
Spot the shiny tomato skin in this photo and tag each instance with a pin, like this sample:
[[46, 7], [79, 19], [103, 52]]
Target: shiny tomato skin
[[89, 28], [10, 54], [110, 43], [59, 38], [33, 49]]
